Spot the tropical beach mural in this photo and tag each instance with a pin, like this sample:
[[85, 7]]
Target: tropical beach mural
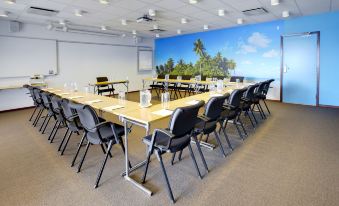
[[251, 51]]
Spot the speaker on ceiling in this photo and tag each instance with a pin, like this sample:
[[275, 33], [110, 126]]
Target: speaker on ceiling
[[14, 26]]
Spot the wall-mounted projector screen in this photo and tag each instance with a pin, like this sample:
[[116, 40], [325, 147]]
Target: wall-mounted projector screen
[[24, 57], [145, 60]]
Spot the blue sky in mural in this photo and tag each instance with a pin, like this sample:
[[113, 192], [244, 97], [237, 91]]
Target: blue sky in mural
[[255, 48]]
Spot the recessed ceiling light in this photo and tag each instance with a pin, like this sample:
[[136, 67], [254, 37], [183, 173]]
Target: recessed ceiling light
[[240, 21], [183, 20], [151, 12], [49, 26], [78, 12], [193, 1], [285, 14], [221, 12], [134, 32], [4, 13], [10, 1], [104, 1], [205, 27], [179, 31], [275, 2], [124, 22], [155, 26], [157, 35], [103, 28], [62, 22], [123, 35], [64, 28]]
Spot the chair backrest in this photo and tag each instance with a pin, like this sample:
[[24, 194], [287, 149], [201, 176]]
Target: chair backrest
[[184, 119], [213, 107], [102, 79], [261, 88], [235, 97], [267, 85], [46, 99], [88, 117], [171, 76], [234, 78], [249, 94], [56, 103], [161, 76], [186, 77], [37, 95]]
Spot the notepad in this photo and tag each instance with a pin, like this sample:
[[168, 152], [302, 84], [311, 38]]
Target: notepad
[[216, 95], [113, 107], [163, 112], [76, 97], [193, 102], [93, 101]]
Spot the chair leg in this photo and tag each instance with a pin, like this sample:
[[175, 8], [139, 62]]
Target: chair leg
[[266, 106], [238, 129], [55, 132], [43, 131], [242, 126], [263, 113], [219, 143], [200, 153], [173, 157], [68, 138], [169, 190], [104, 150], [43, 123], [255, 119], [83, 157], [52, 132], [180, 155], [103, 164], [262, 117], [79, 147], [63, 139], [249, 117], [38, 117], [194, 161], [226, 136], [146, 166], [30, 119]]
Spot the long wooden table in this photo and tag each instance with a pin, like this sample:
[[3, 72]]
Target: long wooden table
[[131, 114]]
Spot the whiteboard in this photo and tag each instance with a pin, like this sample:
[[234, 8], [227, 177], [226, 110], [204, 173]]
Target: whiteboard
[[145, 60], [22, 57]]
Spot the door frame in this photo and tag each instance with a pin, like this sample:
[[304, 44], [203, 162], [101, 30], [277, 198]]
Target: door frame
[[317, 66]]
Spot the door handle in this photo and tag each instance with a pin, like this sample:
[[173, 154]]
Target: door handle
[[285, 68]]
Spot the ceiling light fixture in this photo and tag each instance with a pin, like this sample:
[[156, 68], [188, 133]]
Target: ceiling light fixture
[[155, 26], [104, 1], [221, 12], [134, 32], [103, 28], [78, 12], [10, 1], [151, 12], [62, 22], [123, 35], [179, 31], [205, 27], [193, 1], [285, 14], [124, 22], [240, 21], [157, 35], [49, 26], [275, 2], [4, 13], [64, 28], [183, 20]]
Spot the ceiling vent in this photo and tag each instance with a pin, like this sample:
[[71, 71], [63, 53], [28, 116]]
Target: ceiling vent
[[157, 30], [42, 11], [254, 12]]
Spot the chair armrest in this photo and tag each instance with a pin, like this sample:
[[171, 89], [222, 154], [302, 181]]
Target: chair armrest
[[71, 118], [228, 106], [154, 136], [204, 118]]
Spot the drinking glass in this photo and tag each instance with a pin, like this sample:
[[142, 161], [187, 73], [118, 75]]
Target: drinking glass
[[65, 86], [86, 90], [165, 99], [121, 97]]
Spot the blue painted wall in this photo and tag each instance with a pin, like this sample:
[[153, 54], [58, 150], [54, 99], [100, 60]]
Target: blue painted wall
[[234, 43]]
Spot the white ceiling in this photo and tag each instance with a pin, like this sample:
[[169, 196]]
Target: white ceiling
[[169, 13]]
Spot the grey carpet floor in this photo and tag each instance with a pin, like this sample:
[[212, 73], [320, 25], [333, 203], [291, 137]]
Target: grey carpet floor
[[292, 158]]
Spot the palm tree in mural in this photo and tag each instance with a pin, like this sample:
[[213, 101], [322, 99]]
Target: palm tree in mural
[[231, 64], [199, 48]]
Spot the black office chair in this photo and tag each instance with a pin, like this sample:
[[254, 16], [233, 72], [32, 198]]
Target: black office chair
[[207, 123], [232, 111], [72, 121], [176, 138], [172, 87], [247, 102], [185, 86], [158, 86], [104, 88], [40, 105], [256, 99], [57, 110], [46, 98], [97, 132], [31, 94], [234, 78], [265, 90]]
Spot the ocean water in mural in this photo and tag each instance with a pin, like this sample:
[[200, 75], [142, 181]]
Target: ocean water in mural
[[252, 51]]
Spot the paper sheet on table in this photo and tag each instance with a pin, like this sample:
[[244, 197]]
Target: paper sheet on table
[[216, 95], [76, 97], [110, 108], [193, 102], [93, 101], [56, 90], [163, 112]]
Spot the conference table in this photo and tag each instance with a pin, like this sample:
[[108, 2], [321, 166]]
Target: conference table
[[98, 84], [130, 113]]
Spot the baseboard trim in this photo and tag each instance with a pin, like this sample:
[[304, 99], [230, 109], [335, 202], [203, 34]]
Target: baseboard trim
[[16, 109], [328, 106]]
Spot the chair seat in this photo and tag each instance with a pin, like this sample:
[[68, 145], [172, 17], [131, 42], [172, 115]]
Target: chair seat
[[106, 134], [203, 126], [162, 140]]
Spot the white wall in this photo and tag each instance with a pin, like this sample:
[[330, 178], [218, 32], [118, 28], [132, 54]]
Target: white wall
[[79, 69]]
